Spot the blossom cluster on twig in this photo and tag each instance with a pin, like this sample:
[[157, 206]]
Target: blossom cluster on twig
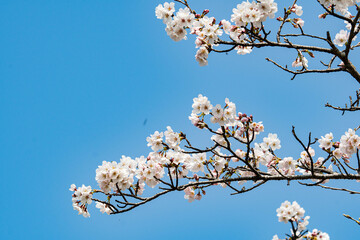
[[294, 214], [237, 155]]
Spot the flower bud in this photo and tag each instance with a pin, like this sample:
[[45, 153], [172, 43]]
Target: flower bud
[[198, 196], [322, 16]]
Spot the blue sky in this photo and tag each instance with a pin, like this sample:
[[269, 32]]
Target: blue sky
[[77, 81]]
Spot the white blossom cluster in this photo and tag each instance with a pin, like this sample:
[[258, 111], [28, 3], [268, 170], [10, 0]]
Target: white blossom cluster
[[341, 6], [275, 166], [297, 9], [292, 212], [342, 37], [326, 142], [150, 170], [349, 144], [247, 16], [103, 208], [81, 197], [313, 235], [263, 152], [190, 194], [224, 116], [207, 34], [155, 141], [316, 235], [300, 61], [206, 29], [201, 105], [175, 24], [196, 163], [254, 13], [114, 176]]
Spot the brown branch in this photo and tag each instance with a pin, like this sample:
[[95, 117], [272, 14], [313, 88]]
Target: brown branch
[[353, 105], [348, 217], [211, 182], [339, 189], [286, 15], [249, 189], [275, 44], [332, 13], [298, 72]]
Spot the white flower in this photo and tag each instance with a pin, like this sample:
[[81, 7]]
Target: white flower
[[300, 62], [299, 22], [272, 141], [184, 18], [287, 166], [297, 10], [255, 12], [217, 111], [201, 56], [326, 142], [165, 12], [155, 141], [242, 50], [226, 26], [72, 187], [304, 155], [302, 225], [103, 208], [219, 163], [341, 38], [175, 32], [201, 104], [275, 237], [189, 194], [172, 138]]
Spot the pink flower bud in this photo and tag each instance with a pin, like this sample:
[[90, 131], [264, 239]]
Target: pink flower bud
[[199, 42], [198, 196], [196, 177]]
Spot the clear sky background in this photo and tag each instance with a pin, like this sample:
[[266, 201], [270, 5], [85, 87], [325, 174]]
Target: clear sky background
[[79, 78]]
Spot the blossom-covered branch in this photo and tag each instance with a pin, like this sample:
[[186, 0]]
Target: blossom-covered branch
[[236, 157], [246, 31]]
